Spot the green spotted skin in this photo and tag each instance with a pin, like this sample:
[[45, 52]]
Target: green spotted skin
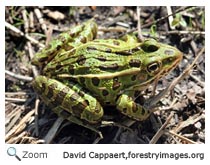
[[85, 73]]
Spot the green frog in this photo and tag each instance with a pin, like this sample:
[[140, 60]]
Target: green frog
[[82, 74]]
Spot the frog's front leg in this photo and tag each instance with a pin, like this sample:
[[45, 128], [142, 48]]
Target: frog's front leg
[[69, 100], [127, 106]]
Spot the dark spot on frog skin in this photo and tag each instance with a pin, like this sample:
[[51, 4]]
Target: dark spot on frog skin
[[82, 39], [169, 52], [58, 66], [61, 95], [74, 97], [124, 110], [58, 47], [101, 58], [115, 42], [108, 50], [116, 83], [43, 59], [125, 38], [72, 52], [73, 34], [81, 93], [78, 109], [133, 78], [134, 108], [81, 60], [62, 38], [135, 63], [51, 89], [105, 92], [95, 81], [91, 48], [135, 49], [124, 53], [82, 80], [97, 108], [87, 102], [67, 48], [71, 69]]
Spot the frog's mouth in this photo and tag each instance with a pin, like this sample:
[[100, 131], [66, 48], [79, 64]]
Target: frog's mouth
[[172, 66]]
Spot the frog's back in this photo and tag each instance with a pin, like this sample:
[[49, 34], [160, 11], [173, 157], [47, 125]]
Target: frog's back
[[107, 69]]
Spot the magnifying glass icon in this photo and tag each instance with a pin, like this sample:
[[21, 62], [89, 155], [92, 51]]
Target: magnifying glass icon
[[11, 151]]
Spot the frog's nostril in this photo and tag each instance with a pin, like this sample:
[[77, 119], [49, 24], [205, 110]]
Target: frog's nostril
[[169, 52]]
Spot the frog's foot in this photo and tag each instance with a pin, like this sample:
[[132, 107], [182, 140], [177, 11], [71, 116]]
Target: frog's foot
[[63, 114], [127, 106]]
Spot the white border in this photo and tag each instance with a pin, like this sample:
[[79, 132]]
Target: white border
[[55, 149], [106, 3]]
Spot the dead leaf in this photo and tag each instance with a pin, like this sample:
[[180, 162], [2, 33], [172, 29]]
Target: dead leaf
[[56, 15]]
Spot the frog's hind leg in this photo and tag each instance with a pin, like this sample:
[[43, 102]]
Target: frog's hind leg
[[72, 98], [66, 41], [71, 101]]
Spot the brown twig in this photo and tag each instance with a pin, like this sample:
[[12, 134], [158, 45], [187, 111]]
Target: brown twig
[[161, 130], [140, 36], [19, 127], [19, 77], [16, 30], [15, 100], [36, 116], [183, 32], [163, 18], [188, 141], [112, 29], [53, 130], [41, 20], [170, 18]]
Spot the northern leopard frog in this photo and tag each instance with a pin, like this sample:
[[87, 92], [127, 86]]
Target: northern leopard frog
[[82, 74]]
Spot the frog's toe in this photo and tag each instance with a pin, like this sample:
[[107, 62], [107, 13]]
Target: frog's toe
[[93, 114]]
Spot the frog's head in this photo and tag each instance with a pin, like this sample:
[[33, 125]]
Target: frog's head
[[159, 59]]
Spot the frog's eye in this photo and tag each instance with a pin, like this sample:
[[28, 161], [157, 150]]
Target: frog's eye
[[153, 67]]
